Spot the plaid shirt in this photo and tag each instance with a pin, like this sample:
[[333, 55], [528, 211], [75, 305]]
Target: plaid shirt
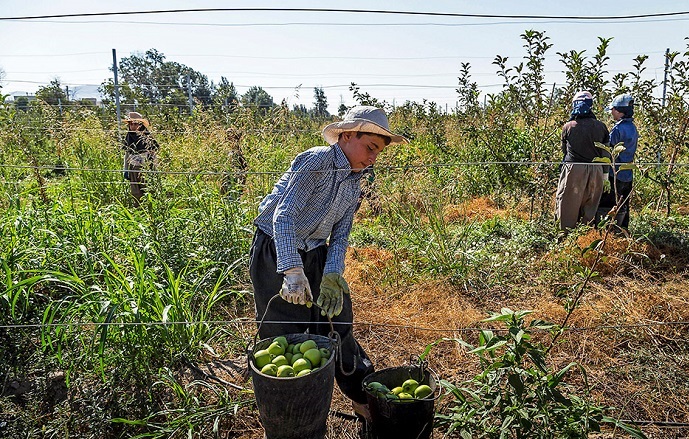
[[313, 201]]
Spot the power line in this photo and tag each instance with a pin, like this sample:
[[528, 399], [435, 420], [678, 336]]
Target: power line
[[355, 11], [270, 87], [296, 58], [341, 24]]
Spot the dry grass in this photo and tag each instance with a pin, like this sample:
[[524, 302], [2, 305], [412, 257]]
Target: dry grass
[[622, 333]]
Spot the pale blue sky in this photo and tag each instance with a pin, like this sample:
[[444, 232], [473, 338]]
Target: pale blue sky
[[392, 57]]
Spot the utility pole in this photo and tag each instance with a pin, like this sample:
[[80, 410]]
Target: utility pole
[[117, 88], [191, 99]]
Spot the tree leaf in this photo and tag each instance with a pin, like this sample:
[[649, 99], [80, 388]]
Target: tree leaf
[[601, 160]]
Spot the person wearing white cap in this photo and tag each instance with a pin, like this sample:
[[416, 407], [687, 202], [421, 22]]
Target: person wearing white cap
[[140, 149], [625, 133], [581, 181], [302, 235]]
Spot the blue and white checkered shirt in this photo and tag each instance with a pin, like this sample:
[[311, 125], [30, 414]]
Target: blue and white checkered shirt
[[313, 201]]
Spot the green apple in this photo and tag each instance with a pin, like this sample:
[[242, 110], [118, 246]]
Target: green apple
[[422, 391], [290, 348], [304, 372], [402, 396], [288, 355], [397, 390], [308, 344], [261, 358], [377, 388], [325, 353], [409, 386], [323, 362], [313, 355], [282, 341], [295, 357], [270, 369], [280, 360], [285, 371], [276, 349], [301, 364], [295, 349]]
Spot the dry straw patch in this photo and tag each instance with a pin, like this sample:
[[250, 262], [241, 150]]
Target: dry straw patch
[[620, 254], [479, 209]]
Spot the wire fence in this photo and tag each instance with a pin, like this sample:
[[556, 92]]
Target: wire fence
[[245, 321]]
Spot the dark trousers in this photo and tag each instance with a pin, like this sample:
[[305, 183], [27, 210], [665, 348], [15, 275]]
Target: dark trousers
[[609, 200], [286, 318]]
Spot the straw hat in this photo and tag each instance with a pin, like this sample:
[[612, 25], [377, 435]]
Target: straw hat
[[133, 116], [362, 119]]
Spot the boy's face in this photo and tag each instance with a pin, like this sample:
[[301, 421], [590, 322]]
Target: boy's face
[[616, 115], [361, 151]]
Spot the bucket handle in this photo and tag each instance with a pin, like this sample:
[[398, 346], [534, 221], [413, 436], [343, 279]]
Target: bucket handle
[[423, 369], [265, 313], [332, 335]]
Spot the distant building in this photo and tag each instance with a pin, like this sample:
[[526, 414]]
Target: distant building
[[22, 96]]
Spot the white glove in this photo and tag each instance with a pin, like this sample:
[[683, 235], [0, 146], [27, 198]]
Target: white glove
[[295, 287]]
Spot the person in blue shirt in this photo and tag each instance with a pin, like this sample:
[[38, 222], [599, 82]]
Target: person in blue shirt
[[302, 235], [623, 132]]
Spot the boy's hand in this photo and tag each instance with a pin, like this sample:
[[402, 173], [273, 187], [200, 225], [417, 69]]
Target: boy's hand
[[295, 287], [331, 297]]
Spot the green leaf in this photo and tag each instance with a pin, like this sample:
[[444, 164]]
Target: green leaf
[[632, 431], [516, 383], [601, 160], [628, 166], [593, 246], [618, 149]]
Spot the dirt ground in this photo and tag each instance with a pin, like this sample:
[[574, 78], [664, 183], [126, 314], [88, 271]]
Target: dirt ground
[[629, 330], [636, 359]]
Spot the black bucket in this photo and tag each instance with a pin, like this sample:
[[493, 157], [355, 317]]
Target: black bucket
[[412, 419], [295, 408]]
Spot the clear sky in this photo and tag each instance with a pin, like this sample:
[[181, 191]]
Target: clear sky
[[392, 57]]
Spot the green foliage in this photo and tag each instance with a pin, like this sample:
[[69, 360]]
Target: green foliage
[[204, 410], [516, 394], [258, 98], [129, 291], [53, 94], [320, 103]]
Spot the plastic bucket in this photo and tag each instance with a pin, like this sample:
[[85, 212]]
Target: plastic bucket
[[294, 408], [412, 419]]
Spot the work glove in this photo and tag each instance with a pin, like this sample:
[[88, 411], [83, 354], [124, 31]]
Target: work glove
[[295, 287], [333, 288]]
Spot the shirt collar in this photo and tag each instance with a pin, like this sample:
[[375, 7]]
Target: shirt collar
[[341, 162]]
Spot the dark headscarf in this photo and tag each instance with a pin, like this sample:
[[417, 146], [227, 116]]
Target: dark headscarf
[[582, 105]]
